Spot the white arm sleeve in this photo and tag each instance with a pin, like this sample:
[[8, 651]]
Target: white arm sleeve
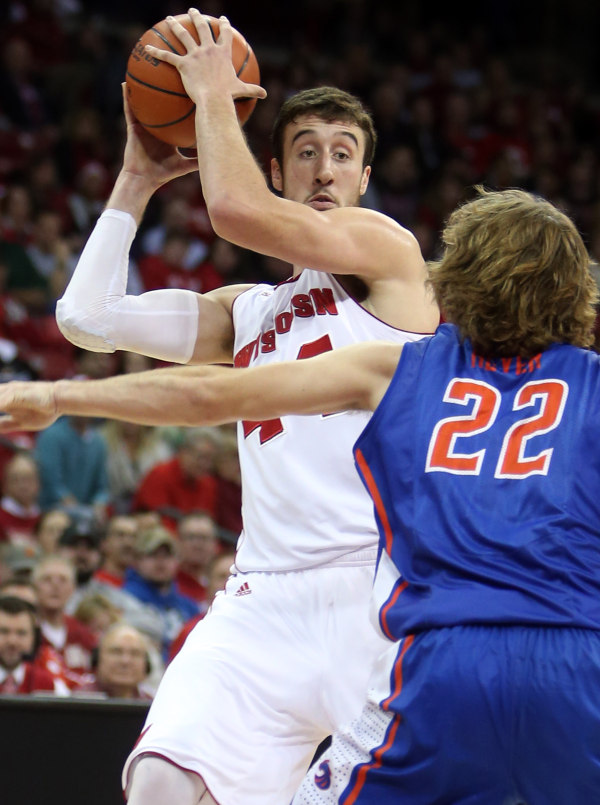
[[95, 312]]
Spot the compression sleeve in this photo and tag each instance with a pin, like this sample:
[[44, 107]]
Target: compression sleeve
[[95, 312]]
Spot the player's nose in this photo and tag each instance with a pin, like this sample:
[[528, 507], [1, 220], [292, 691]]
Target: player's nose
[[324, 173]]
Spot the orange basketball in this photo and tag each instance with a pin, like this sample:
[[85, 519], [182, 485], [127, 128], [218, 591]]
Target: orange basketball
[[155, 91]]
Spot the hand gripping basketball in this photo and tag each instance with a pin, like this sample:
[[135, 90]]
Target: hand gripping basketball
[[180, 58]]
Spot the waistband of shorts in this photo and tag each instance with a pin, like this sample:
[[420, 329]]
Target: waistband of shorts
[[366, 556]]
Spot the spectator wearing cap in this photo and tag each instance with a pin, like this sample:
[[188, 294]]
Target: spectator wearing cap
[[117, 547], [54, 581], [121, 664], [186, 483], [153, 583], [17, 642], [197, 545], [19, 509], [17, 562], [80, 544]]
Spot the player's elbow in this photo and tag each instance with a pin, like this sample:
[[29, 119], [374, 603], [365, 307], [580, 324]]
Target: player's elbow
[[77, 327], [202, 403], [230, 218]]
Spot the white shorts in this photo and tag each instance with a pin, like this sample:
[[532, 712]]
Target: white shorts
[[328, 782], [280, 661]]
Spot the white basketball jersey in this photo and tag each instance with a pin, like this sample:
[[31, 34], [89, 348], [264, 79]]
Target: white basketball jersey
[[303, 502]]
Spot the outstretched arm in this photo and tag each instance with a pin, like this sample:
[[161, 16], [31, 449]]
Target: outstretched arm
[[354, 377]]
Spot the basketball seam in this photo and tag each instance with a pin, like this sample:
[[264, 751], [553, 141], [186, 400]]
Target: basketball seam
[[241, 70], [170, 123], [166, 41], [243, 67], [158, 89]]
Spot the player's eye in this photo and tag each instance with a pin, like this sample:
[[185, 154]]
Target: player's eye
[[308, 153]]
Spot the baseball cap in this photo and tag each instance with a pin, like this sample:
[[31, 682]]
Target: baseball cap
[[81, 530], [20, 557], [150, 539]]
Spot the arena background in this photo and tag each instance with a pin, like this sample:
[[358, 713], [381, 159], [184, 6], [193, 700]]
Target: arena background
[[503, 93]]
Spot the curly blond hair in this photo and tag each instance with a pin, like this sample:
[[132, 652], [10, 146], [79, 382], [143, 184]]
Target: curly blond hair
[[514, 276]]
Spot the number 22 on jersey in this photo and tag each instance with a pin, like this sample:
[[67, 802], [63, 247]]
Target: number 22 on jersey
[[448, 445]]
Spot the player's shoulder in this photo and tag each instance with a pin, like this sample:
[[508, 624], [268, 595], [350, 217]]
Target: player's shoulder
[[367, 217]]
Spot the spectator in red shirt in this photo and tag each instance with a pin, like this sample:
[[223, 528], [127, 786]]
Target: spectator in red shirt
[[229, 489], [19, 509], [175, 219], [168, 268], [44, 657], [54, 581], [17, 640], [198, 544], [186, 483], [118, 550]]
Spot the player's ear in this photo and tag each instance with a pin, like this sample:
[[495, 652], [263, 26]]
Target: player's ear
[[364, 180], [276, 177]]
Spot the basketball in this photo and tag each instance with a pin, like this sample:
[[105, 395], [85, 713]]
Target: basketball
[[155, 91]]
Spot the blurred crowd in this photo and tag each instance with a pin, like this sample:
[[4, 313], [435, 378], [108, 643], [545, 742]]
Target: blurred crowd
[[89, 610], [113, 537]]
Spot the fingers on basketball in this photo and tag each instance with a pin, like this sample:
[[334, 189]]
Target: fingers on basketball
[[155, 92]]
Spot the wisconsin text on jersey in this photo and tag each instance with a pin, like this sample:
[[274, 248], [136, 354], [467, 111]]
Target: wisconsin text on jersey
[[518, 365], [317, 302]]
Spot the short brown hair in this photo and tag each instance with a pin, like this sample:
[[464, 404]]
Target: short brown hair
[[330, 104], [514, 276]]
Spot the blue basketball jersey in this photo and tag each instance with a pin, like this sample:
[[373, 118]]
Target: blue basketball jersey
[[486, 481]]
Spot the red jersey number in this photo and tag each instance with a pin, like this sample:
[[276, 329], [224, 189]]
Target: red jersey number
[[269, 428]]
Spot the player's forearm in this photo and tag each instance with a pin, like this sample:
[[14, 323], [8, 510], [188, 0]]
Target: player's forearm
[[96, 313], [131, 194], [210, 395], [158, 397], [232, 183]]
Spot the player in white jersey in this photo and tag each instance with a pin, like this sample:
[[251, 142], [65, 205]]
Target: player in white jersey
[[284, 655], [308, 315]]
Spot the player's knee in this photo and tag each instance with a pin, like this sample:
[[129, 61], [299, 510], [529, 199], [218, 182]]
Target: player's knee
[[156, 781]]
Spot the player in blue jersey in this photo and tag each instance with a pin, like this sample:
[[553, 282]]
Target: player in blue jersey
[[482, 463]]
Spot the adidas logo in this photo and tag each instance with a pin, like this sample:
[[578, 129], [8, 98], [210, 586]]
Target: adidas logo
[[244, 589]]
